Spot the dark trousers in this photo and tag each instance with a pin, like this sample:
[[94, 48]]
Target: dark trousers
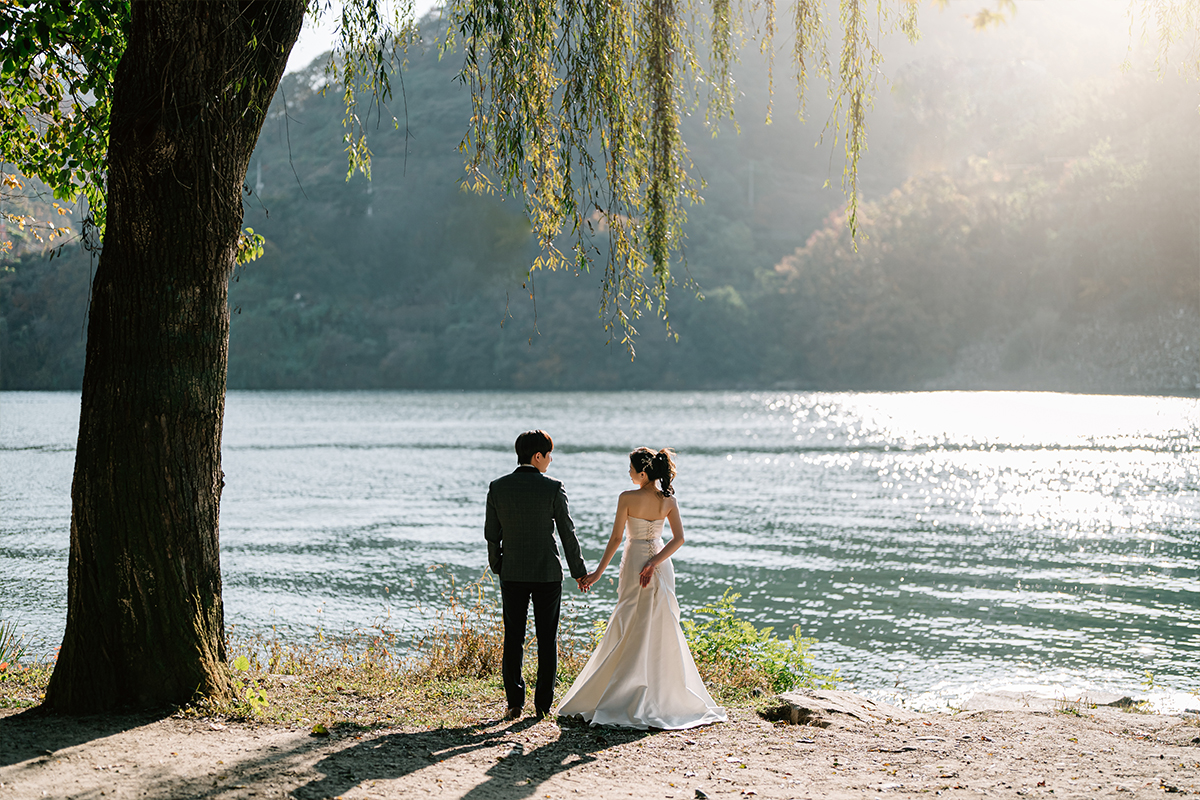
[[515, 597]]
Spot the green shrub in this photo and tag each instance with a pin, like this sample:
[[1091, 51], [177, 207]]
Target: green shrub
[[738, 659]]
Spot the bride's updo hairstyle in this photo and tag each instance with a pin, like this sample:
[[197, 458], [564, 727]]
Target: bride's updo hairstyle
[[658, 466]]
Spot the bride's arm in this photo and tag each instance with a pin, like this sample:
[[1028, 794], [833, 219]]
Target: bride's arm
[[662, 555], [614, 541]]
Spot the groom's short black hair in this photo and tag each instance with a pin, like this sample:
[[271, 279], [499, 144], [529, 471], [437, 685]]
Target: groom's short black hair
[[531, 442]]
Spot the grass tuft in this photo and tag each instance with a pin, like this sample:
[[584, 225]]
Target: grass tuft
[[466, 642], [21, 685], [12, 646]]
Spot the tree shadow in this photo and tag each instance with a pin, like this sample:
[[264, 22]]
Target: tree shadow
[[35, 733], [516, 774]]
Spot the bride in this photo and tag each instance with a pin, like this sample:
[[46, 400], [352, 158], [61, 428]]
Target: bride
[[642, 674]]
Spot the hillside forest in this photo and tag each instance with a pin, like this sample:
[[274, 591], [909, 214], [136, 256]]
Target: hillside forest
[[1030, 220]]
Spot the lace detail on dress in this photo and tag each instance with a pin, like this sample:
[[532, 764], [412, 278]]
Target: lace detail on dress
[[642, 530], [637, 528]]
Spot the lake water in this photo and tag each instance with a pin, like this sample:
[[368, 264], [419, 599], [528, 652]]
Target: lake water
[[935, 544]]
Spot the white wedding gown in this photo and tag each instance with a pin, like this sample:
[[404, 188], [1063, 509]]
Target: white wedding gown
[[642, 674]]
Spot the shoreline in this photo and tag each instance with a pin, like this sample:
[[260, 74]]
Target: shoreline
[[989, 752]]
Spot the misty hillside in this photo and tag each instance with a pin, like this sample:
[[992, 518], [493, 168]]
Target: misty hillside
[[1029, 221]]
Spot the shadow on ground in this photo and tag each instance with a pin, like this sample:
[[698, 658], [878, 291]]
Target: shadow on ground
[[517, 773], [36, 733]]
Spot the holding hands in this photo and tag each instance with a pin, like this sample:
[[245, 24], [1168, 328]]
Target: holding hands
[[586, 581], [644, 577]]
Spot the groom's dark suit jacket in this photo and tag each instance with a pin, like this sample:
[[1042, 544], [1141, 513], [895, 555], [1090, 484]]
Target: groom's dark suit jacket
[[523, 509]]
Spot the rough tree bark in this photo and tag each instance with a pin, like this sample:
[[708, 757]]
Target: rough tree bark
[[145, 622]]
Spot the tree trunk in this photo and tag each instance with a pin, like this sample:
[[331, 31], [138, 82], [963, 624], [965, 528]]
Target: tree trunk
[[145, 623]]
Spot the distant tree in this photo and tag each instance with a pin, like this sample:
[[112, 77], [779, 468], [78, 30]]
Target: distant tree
[[151, 110]]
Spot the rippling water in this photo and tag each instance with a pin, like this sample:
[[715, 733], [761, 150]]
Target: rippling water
[[934, 543]]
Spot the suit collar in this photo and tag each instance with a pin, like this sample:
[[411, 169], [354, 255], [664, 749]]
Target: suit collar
[[527, 468]]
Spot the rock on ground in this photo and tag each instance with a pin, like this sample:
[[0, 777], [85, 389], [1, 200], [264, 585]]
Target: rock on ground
[[822, 708]]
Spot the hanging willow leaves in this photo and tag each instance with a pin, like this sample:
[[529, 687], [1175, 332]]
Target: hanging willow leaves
[[1174, 26], [577, 109], [373, 38]]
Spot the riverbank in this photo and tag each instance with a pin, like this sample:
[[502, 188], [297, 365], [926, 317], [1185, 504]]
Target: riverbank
[[1070, 751], [354, 722]]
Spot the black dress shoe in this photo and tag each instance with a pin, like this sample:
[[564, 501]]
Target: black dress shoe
[[542, 713], [513, 713]]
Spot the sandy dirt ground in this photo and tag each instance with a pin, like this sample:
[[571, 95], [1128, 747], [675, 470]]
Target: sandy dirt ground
[[1018, 752]]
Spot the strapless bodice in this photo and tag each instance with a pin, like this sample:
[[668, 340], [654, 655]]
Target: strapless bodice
[[637, 528]]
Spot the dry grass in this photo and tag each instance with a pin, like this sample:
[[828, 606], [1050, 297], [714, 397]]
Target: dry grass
[[23, 686], [1064, 706], [733, 682], [466, 642], [450, 677]]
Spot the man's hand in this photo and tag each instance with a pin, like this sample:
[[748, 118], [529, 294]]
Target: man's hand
[[588, 580]]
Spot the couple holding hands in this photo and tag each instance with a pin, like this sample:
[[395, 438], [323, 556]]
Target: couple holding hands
[[641, 674]]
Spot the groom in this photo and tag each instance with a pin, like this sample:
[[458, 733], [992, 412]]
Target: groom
[[523, 509]]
